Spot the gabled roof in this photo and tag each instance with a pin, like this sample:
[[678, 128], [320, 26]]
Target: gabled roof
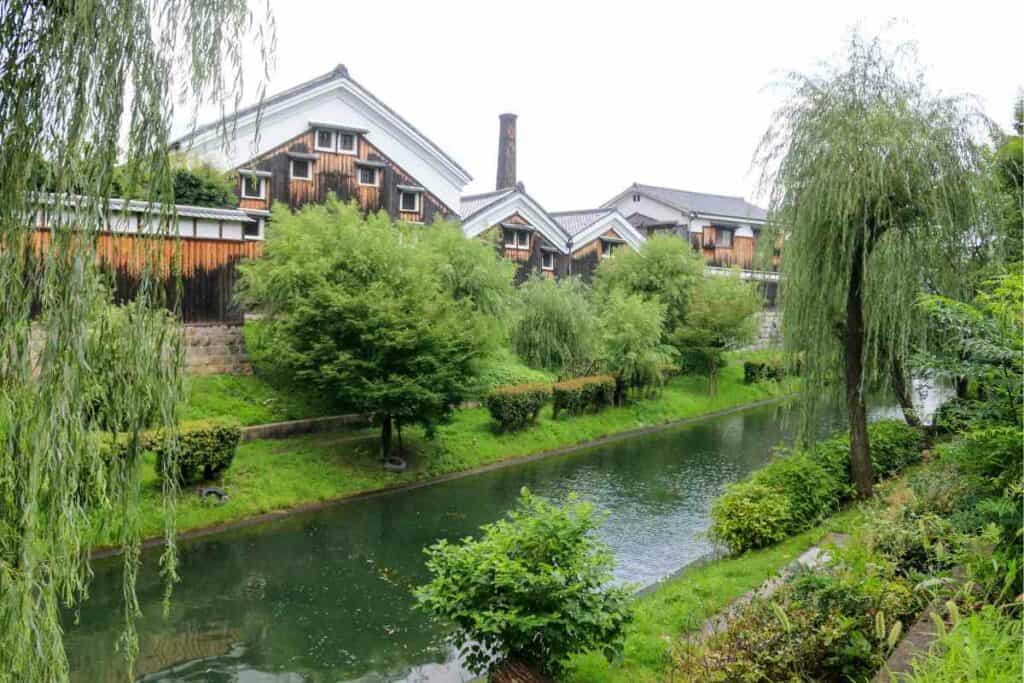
[[491, 211], [471, 203], [340, 75], [591, 224], [575, 222], [641, 220], [697, 202]]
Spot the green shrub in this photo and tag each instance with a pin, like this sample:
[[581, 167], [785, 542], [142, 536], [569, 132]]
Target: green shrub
[[702, 361], [894, 446], [831, 625], [513, 407], [749, 516], [534, 588], [984, 647], [754, 371], [990, 457], [203, 452], [577, 396], [814, 492]]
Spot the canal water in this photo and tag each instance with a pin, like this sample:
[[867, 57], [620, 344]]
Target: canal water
[[325, 596]]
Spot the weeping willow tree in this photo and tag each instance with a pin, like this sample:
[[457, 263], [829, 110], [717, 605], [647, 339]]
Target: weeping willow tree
[[85, 85], [872, 178]]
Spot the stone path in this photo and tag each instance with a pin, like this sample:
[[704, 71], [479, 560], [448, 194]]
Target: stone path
[[813, 557]]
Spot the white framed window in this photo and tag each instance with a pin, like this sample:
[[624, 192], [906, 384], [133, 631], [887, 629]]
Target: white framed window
[[517, 239], [368, 176], [723, 237], [348, 143], [253, 187], [323, 140], [301, 169], [409, 202], [636, 196], [547, 260], [608, 249]]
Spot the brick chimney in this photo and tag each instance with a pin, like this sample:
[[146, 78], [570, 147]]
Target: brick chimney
[[506, 152]]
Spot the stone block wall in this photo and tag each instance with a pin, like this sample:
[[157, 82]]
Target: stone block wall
[[769, 330], [216, 349]]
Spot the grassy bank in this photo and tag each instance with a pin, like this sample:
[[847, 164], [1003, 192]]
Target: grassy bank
[[281, 474], [683, 603]]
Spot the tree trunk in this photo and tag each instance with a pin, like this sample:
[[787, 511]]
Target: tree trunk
[[620, 392], [515, 670], [861, 472], [961, 387], [398, 428], [385, 437], [902, 390]]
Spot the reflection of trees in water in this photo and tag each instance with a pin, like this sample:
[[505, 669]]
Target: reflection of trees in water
[[158, 652], [327, 594]]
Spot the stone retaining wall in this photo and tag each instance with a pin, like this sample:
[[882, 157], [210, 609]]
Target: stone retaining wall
[[769, 330], [216, 349]]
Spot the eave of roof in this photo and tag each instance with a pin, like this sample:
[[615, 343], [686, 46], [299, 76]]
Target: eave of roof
[[338, 73]]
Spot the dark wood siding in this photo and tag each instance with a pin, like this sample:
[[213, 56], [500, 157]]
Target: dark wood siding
[[339, 174], [198, 275]]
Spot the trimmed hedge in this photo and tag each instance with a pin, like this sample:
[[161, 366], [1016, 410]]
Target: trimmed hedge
[[514, 406], [577, 396], [801, 488], [754, 372], [203, 452]]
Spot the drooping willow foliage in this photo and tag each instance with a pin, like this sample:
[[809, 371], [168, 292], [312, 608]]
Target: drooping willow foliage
[[84, 85], [873, 182]]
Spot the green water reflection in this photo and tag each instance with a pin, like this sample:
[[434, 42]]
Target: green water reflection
[[325, 596]]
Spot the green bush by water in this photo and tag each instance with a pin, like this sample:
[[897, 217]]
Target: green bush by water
[[514, 407], [203, 452], [806, 487], [583, 394]]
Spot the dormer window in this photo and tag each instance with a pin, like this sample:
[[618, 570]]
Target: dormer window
[[409, 201], [301, 169], [253, 187], [348, 143], [517, 239], [608, 249], [324, 141]]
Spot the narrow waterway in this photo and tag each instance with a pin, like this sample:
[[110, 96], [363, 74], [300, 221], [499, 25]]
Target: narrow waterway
[[325, 596]]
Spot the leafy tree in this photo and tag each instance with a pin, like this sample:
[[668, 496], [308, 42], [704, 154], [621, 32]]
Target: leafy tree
[[872, 175], [1009, 176], [554, 325], [665, 268], [629, 338], [76, 80], [534, 589], [473, 272], [193, 182], [982, 341], [361, 315], [721, 317]]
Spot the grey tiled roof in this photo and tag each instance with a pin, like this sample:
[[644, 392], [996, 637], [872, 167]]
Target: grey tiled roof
[[639, 219], [575, 222], [340, 71], [471, 203], [701, 202]]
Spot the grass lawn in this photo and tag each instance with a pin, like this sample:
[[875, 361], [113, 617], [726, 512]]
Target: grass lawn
[[279, 474], [254, 399], [246, 399], [682, 604]]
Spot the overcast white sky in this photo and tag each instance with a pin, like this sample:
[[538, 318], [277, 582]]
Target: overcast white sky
[[608, 93]]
